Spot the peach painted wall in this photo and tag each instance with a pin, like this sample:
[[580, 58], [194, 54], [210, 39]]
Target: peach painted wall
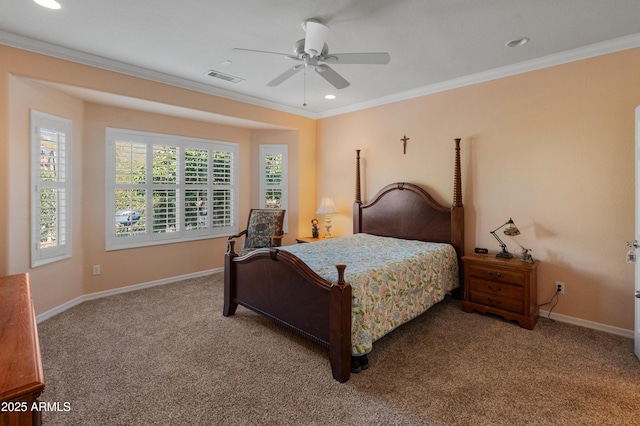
[[61, 282], [553, 149], [24, 96]]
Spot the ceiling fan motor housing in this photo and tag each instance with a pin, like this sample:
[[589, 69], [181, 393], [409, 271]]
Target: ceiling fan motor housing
[[299, 52]]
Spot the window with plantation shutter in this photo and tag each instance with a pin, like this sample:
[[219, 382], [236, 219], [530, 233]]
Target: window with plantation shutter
[[197, 189], [273, 178], [163, 189], [51, 188], [223, 189]]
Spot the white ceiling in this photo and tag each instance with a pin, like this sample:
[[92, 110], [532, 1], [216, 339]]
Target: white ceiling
[[434, 44]]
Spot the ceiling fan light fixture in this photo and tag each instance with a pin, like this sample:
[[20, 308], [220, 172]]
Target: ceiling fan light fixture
[[49, 4], [517, 42], [316, 34]]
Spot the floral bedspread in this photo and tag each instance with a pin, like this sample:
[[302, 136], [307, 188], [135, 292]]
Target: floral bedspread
[[392, 280]]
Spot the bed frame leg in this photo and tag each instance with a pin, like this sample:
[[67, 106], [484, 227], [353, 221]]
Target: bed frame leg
[[340, 328], [229, 281]]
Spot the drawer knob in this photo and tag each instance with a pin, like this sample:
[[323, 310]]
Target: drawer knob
[[496, 289], [497, 274], [494, 302]]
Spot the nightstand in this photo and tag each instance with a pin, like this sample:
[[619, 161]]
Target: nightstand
[[504, 287], [308, 240], [311, 239]]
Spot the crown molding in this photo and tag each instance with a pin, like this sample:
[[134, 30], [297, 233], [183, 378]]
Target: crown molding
[[597, 49], [37, 46]]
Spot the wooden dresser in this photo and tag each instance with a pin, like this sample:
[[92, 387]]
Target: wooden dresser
[[505, 287], [21, 377]]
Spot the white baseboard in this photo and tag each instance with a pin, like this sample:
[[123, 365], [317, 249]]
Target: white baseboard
[[589, 324], [84, 298]]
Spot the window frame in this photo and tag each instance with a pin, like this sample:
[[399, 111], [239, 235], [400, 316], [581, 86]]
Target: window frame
[[182, 185], [62, 185], [280, 149]]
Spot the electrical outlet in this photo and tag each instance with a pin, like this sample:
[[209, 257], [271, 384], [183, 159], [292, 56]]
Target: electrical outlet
[[559, 287], [96, 269]]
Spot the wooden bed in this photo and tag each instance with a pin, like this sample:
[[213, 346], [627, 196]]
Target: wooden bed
[[279, 285]]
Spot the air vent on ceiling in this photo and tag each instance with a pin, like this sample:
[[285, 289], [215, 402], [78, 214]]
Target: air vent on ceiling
[[223, 76]]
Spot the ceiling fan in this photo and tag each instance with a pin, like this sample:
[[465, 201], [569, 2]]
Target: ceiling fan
[[313, 52]]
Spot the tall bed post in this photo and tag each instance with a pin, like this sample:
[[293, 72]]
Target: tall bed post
[[457, 190], [457, 219], [357, 212]]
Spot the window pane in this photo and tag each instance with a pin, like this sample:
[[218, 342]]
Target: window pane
[[130, 167], [52, 193], [273, 172], [52, 162], [165, 212], [222, 170], [273, 198], [165, 164], [195, 210], [129, 214], [52, 204], [222, 210], [195, 166]]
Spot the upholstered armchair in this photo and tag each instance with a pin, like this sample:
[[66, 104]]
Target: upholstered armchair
[[265, 228]]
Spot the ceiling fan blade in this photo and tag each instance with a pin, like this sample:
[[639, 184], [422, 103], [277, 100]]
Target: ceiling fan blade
[[329, 74], [284, 76], [261, 51], [380, 58], [316, 34]]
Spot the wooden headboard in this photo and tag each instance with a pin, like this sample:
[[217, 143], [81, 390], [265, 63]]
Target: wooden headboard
[[404, 210]]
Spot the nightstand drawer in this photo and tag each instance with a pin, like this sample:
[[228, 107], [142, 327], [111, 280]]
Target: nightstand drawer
[[496, 274], [502, 303], [496, 289]]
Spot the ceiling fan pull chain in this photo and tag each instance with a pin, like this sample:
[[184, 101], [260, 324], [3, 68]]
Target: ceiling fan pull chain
[[304, 88]]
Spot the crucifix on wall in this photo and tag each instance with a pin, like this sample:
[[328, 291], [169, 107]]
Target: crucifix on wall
[[404, 143]]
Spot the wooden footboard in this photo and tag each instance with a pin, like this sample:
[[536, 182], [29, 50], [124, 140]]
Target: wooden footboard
[[280, 286]]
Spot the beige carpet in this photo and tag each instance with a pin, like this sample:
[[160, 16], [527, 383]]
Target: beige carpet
[[167, 356]]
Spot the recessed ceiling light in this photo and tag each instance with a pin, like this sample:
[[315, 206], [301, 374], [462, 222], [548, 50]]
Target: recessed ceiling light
[[517, 42], [49, 4], [329, 96]]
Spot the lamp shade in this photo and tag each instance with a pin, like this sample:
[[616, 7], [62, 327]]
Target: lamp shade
[[512, 229], [326, 206]]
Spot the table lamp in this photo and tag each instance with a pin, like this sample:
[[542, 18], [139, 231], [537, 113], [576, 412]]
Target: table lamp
[[511, 231], [327, 208]]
